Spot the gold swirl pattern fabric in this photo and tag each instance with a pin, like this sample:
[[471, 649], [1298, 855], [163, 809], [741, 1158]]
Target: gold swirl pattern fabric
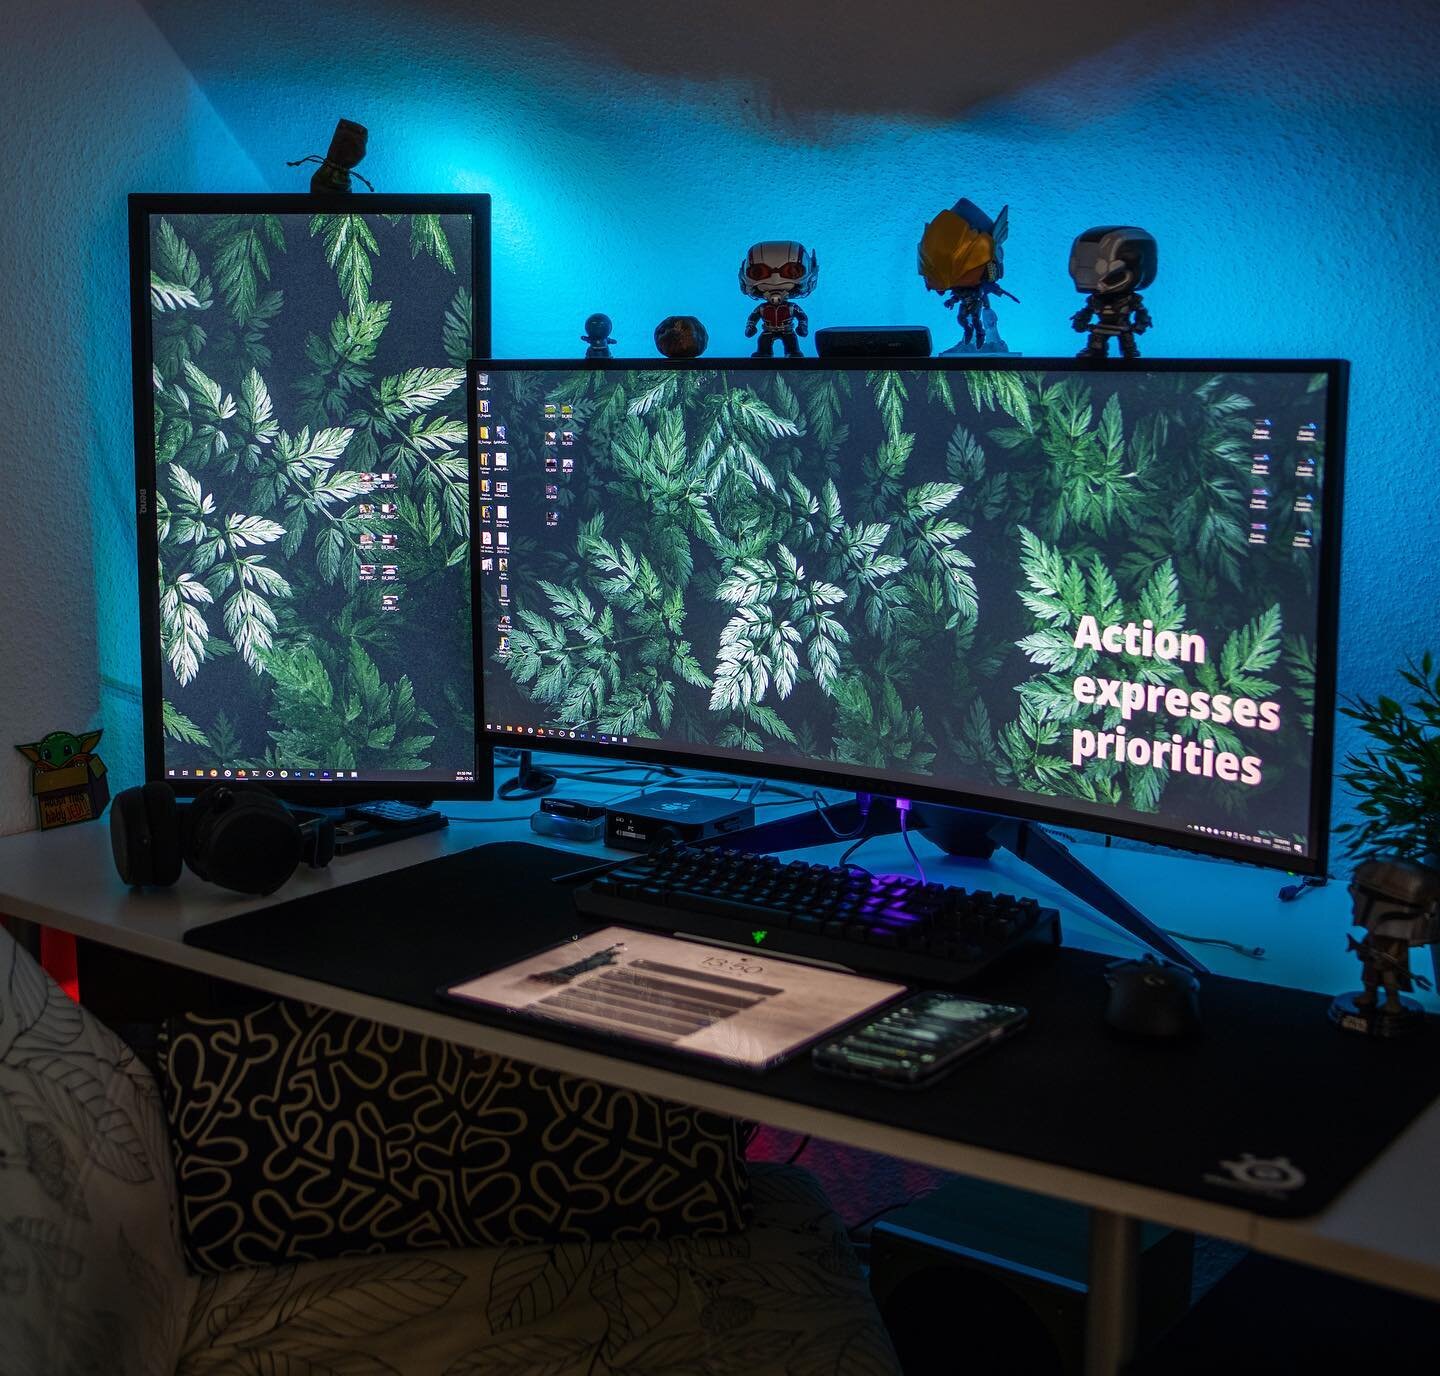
[[784, 1298], [301, 1134]]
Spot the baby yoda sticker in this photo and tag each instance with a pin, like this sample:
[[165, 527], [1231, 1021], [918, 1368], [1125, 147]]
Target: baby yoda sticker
[[67, 778]]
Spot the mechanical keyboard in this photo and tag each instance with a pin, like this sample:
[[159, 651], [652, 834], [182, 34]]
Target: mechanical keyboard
[[886, 924]]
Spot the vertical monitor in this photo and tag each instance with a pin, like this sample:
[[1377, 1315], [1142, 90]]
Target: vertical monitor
[[1102, 596], [304, 490]]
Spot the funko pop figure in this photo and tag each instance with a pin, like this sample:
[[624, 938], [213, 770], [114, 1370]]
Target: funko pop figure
[[597, 336], [778, 272], [1397, 902], [1112, 263], [961, 252]]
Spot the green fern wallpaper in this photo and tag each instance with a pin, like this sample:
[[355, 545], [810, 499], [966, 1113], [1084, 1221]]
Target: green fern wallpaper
[[1099, 588], [312, 491]]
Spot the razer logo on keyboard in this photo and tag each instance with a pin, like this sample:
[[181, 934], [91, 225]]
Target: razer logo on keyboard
[[759, 936]]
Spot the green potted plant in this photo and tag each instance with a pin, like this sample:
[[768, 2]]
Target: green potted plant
[[1397, 777]]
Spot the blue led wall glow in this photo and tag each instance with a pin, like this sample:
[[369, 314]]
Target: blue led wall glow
[[1283, 154]]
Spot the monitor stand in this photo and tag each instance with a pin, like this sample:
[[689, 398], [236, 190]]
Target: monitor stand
[[960, 831]]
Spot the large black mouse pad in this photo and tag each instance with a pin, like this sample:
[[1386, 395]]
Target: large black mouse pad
[[1270, 1108]]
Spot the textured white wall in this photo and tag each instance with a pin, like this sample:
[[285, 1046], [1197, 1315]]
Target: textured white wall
[[94, 103], [1284, 152]]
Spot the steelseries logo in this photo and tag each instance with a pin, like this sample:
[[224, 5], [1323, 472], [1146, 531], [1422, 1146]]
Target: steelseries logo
[[1274, 1176]]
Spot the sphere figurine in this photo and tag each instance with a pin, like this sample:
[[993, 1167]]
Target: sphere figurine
[[778, 272], [681, 336], [597, 336], [1397, 902], [961, 251], [1112, 263]]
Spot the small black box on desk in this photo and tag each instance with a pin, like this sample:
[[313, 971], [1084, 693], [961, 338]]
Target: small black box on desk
[[670, 815]]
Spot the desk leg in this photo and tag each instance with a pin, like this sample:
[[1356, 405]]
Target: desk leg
[[1112, 1306]]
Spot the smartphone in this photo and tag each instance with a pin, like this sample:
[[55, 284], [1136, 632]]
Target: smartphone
[[915, 1042]]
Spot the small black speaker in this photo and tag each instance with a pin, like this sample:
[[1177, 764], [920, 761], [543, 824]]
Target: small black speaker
[[997, 1278], [873, 341]]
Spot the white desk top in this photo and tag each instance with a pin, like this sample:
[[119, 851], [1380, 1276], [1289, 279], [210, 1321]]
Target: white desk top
[[1385, 1228]]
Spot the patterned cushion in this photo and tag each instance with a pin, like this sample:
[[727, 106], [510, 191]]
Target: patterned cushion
[[784, 1298], [91, 1275], [301, 1134]]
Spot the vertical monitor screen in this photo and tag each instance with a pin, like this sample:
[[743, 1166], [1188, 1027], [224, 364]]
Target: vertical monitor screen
[[1100, 596], [308, 619]]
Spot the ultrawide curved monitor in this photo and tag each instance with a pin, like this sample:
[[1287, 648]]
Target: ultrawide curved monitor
[[1102, 596], [304, 492]]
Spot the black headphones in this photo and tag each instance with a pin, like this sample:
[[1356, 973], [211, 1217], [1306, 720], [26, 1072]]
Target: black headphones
[[238, 836]]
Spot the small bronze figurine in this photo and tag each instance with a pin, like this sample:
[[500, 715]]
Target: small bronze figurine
[[681, 336], [778, 272], [597, 336], [1397, 902], [1112, 263]]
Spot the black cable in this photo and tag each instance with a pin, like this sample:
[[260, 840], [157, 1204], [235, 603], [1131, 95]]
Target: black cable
[[844, 860], [486, 821], [795, 1155], [858, 830], [1310, 881], [529, 782], [854, 1228]]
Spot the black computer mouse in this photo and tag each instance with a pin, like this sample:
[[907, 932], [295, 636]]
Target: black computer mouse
[[1152, 998]]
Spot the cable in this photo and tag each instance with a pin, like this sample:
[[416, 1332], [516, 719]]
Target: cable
[[529, 781], [862, 801], [903, 805], [888, 1208], [485, 821], [844, 861], [1250, 952], [796, 1154]]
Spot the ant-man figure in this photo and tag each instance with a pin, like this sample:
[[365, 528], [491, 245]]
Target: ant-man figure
[[777, 272], [1112, 263]]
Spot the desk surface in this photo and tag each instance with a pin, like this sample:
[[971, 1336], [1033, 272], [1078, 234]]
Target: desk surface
[[1384, 1228]]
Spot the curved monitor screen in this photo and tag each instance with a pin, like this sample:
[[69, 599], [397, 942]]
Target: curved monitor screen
[[1093, 595]]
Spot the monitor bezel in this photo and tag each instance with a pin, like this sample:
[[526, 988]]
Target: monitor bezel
[[142, 205], [1052, 814]]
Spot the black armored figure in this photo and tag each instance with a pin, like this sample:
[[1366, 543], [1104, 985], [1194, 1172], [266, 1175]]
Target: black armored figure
[[1112, 263]]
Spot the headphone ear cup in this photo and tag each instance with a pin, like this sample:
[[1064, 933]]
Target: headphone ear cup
[[318, 841], [145, 835], [242, 838]]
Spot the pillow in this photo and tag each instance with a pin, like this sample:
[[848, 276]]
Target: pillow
[[301, 1134], [91, 1275]]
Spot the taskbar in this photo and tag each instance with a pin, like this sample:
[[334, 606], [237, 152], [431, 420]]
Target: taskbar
[[316, 776]]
